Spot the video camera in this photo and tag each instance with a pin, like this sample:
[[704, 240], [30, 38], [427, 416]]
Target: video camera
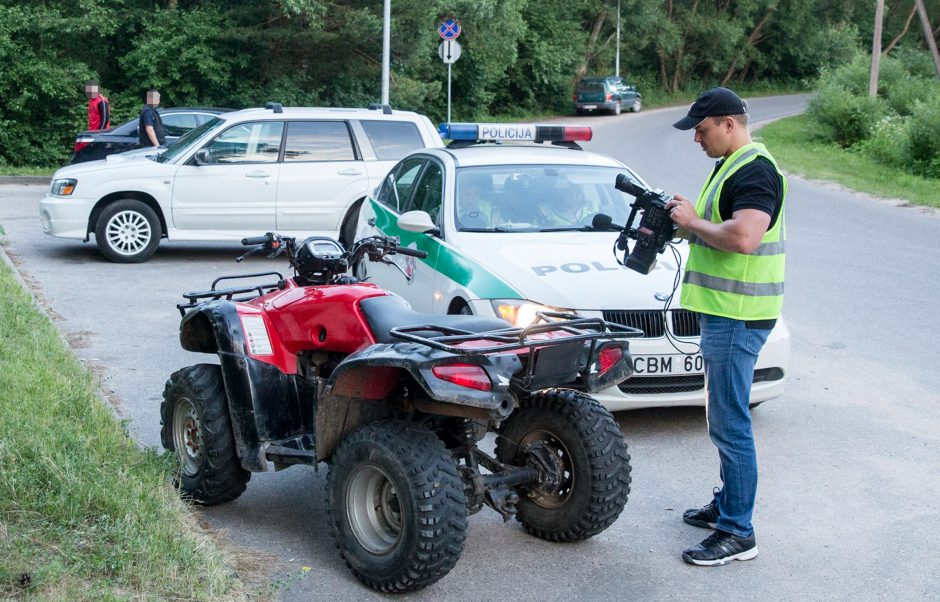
[[656, 228]]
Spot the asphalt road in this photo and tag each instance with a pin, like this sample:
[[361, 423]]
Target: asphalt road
[[849, 457]]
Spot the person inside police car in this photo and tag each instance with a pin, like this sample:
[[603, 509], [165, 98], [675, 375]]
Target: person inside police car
[[474, 209], [734, 280], [566, 206]]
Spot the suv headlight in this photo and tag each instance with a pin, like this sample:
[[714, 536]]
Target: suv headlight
[[63, 187], [520, 312]]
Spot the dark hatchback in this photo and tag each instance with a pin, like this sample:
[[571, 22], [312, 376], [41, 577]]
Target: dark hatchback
[[91, 145], [610, 94]]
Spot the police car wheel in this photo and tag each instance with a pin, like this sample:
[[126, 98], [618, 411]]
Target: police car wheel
[[128, 231], [585, 441]]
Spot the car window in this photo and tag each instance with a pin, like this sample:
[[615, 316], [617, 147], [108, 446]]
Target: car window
[[392, 140], [201, 118], [396, 190], [177, 124], [254, 142], [428, 192], [183, 143], [513, 198], [592, 86], [126, 129], [318, 141]]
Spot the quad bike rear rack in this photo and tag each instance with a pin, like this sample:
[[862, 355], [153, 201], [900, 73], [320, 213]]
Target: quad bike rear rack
[[248, 292], [552, 353]]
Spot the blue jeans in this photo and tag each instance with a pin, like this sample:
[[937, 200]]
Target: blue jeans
[[730, 350]]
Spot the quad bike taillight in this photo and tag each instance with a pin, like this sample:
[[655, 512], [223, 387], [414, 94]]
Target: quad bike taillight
[[464, 375], [607, 358]]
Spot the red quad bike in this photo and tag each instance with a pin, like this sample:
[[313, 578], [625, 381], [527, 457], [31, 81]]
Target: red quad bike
[[320, 367]]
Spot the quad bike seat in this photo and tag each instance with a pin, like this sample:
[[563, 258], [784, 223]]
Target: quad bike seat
[[387, 311]]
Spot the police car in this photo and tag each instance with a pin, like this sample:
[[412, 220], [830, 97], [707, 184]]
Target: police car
[[508, 232]]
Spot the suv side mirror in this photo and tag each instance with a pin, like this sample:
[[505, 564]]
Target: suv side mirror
[[416, 221]]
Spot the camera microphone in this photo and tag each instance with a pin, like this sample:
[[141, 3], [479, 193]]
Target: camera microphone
[[602, 221]]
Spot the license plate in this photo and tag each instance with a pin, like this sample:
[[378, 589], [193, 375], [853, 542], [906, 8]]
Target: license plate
[[589, 107], [656, 365]]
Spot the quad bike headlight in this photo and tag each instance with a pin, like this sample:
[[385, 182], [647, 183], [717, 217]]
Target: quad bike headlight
[[520, 312]]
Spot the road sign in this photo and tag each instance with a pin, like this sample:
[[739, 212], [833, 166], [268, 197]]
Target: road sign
[[449, 29], [449, 51]]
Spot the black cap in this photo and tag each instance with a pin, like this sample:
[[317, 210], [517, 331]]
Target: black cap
[[717, 102]]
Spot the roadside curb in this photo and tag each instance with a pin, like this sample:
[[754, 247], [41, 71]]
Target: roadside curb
[[25, 180]]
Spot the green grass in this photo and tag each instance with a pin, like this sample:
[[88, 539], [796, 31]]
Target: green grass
[[791, 144], [84, 513], [9, 170]]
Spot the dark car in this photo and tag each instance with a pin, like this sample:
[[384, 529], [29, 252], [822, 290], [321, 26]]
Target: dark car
[[98, 144], [610, 94]]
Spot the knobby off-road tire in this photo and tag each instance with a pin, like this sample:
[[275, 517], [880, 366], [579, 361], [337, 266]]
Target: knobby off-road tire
[[397, 506], [585, 438], [196, 425], [128, 231]]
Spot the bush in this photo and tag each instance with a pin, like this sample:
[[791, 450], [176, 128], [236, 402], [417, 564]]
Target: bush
[[842, 117], [925, 137], [889, 143]]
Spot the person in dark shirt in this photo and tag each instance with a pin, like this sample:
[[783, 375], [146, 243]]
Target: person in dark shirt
[[150, 128], [99, 109], [734, 280]]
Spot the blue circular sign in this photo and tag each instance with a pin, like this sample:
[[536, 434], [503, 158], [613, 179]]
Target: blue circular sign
[[449, 29]]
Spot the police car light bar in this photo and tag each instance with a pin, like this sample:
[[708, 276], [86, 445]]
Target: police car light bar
[[514, 132]]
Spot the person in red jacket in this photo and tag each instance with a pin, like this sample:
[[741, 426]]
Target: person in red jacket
[[99, 109]]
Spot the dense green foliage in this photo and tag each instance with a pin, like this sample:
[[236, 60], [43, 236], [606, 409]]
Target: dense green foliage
[[519, 56], [899, 128], [84, 513]]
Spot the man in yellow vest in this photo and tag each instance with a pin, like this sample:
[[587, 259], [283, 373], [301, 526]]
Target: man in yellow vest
[[734, 280]]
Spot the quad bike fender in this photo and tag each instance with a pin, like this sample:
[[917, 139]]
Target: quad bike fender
[[354, 393], [265, 404], [373, 372]]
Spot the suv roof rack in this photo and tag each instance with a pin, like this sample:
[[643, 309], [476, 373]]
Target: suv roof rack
[[386, 109], [274, 106]]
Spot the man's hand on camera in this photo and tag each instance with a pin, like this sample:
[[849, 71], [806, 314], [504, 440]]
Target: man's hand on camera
[[682, 213]]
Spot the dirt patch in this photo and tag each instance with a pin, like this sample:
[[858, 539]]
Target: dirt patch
[[79, 339]]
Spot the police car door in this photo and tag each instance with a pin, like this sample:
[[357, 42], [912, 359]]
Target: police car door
[[428, 196], [379, 217]]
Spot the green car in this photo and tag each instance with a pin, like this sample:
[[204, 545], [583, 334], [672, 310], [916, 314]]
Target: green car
[[610, 94]]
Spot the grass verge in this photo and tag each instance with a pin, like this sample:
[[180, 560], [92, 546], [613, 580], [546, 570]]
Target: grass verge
[[84, 513], [9, 170], [789, 141]]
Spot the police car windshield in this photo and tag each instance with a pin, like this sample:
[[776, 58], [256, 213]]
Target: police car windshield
[[537, 198], [184, 141]]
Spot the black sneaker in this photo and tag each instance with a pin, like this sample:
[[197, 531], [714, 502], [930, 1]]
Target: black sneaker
[[705, 517], [721, 548]]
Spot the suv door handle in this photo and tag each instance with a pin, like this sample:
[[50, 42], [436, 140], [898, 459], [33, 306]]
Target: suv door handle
[[352, 171], [258, 174]]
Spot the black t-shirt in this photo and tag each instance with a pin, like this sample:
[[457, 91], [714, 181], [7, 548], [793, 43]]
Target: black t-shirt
[[149, 116], [756, 185]]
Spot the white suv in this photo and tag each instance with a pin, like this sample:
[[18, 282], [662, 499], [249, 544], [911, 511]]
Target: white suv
[[300, 171]]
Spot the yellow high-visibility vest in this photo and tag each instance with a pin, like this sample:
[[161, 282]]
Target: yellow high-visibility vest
[[736, 285]]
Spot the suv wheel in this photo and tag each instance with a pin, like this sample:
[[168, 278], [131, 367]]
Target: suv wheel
[[617, 108], [128, 231], [637, 105]]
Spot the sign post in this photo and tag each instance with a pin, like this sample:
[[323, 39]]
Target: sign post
[[449, 50]]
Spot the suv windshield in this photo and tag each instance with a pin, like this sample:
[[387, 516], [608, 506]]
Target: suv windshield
[[535, 198], [184, 141]]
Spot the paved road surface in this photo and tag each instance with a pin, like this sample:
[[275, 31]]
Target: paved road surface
[[850, 456]]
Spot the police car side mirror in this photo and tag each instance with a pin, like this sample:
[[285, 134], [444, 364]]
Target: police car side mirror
[[416, 221]]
